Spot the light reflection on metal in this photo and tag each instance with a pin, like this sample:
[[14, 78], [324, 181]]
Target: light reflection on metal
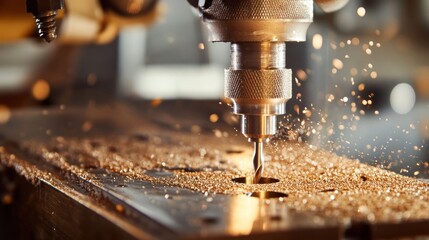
[[244, 212]]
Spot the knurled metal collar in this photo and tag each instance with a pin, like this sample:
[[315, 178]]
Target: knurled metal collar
[[258, 84], [258, 20], [259, 10]]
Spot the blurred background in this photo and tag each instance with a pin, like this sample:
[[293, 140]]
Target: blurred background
[[361, 80]]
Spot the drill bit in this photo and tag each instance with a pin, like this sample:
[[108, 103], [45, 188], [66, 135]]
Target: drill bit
[[258, 160]]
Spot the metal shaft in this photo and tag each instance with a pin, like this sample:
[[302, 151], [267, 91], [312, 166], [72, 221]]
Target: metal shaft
[[258, 55]]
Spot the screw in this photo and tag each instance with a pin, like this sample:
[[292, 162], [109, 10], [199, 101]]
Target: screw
[[45, 12], [46, 25]]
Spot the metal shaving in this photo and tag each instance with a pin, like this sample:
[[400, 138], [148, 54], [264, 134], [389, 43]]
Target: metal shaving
[[315, 180]]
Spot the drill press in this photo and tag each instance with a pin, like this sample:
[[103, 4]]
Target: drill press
[[257, 83]]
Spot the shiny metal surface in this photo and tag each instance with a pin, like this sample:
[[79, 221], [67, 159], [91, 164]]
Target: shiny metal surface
[[258, 55], [256, 31], [258, 85], [258, 20], [191, 214], [258, 126], [259, 107], [260, 10]]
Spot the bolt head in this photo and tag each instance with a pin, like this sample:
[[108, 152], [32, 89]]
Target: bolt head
[[39, 6]]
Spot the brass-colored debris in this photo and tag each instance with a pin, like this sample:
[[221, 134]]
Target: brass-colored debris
[[315, 180]]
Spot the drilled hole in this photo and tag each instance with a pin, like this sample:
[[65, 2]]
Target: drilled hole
[[113, 149], [234, 151], [328, 190], [184, 169], [276, 218], [95, 144], [141, 137], [223, 162], [267, 195], [208, 220], [249, 180]]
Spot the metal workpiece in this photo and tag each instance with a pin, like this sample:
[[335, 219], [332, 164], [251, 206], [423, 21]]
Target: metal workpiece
[[145, 178], [45, 13], [105, 204]]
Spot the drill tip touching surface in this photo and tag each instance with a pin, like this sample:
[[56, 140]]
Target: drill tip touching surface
[[258, 160]]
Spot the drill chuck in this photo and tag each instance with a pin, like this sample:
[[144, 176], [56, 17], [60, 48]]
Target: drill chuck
[[258, 85]]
